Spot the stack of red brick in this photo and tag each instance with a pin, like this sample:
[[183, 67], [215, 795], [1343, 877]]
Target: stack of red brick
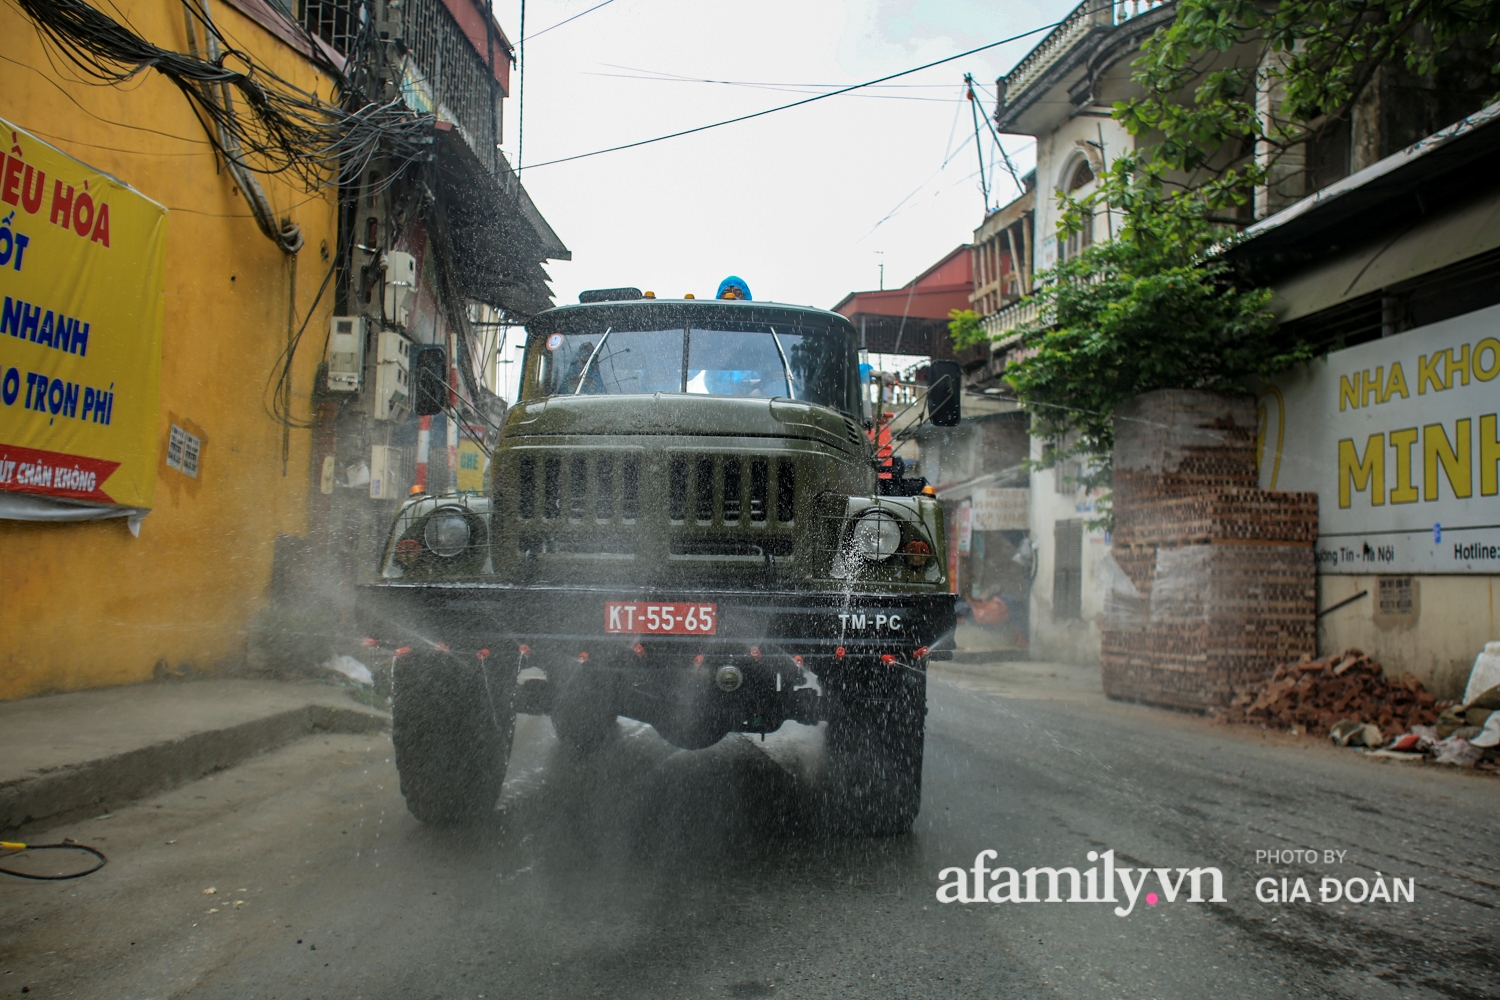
[[1224, 570], [1316, 694]]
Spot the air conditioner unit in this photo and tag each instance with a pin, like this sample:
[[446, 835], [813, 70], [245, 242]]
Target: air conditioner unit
[[400, 286], [392, 376], [346, 353], [385, 472]]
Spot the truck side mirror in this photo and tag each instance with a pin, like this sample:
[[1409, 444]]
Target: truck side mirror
[[430, 380], [944, 392]]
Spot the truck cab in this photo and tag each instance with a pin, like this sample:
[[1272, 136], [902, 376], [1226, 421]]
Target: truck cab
[[684, 525]]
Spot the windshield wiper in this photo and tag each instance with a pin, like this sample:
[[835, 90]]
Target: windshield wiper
[[583, 375], [791, 390]]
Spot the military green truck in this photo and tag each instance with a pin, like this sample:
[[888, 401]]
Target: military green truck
[[685, 525]]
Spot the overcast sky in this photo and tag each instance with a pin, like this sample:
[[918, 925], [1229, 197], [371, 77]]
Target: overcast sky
[[803, 204]]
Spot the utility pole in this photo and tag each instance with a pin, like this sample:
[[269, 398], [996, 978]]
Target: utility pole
[[1009, 166], [492, 154], [984, 183], [521, 93]]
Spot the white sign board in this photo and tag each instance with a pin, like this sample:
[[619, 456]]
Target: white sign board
[[997, 509], [965, 525], [1399, 439]]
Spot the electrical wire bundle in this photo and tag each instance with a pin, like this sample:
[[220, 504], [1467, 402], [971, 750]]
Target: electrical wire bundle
[[281, 129], [285, 129]]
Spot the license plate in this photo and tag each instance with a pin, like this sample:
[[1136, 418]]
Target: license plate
[[639, 618]]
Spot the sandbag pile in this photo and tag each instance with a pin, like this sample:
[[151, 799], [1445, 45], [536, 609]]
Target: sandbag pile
[[1317, 694]]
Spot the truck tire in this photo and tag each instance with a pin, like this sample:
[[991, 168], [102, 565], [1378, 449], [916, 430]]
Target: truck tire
[[583, 726], [873, 747], [452, 740], [583, 708]]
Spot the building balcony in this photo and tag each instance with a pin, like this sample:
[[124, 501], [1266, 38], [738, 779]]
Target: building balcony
[[1004, 327], [451, 60], [1004, 331], [1083, 34]]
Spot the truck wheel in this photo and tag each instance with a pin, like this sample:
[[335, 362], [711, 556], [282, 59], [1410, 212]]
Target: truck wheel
[[452, 743], [582, 725], [583, 708], [873, 747]]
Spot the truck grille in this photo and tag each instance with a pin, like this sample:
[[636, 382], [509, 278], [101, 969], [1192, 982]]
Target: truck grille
[[727, 501], [606, 485], [552, 489], [630, 492], [605, 502]]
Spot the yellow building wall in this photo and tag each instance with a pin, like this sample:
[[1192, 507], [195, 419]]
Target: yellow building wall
[[86, 604], [1453, 617]]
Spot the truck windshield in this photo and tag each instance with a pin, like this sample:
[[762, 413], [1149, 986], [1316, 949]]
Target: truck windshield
[[767, 361]]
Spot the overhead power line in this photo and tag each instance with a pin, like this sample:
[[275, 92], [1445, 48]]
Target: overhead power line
[[559, 24], [796, 104], [790, 88], [636, 73], [916, 190]]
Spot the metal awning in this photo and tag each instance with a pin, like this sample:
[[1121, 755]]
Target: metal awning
[[885, 334], [495, 238], [1388, 197]]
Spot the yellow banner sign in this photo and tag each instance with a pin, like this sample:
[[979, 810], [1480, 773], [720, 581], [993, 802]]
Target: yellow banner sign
[[82, 266], [470, 472], [1400, 438]]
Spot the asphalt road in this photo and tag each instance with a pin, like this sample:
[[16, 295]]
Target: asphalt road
[[654, 873]]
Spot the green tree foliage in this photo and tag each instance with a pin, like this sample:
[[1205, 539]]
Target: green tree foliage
[[1128, 317], [1156, 308], [1308, 61], [966, 328]]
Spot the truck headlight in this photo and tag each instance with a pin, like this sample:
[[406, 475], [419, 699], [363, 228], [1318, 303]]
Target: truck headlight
[[447, 533], [877, 536]]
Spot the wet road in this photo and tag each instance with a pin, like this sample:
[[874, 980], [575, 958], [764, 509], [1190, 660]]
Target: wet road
[[655, 873]]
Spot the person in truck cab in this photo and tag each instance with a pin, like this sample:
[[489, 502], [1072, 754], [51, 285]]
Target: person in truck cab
[[733, 287]]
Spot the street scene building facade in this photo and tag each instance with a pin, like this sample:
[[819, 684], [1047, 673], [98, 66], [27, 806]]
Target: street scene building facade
[[1396, 431], [1063, 93], [99, 601], [379, 623], [260, 436]]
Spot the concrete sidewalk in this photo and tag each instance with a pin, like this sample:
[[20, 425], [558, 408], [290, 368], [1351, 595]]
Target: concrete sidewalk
[[73, 755]]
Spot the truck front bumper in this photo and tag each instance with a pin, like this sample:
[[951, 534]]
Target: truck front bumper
[[815, 625]]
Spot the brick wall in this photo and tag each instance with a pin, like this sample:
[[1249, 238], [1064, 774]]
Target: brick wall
[[1224, 571]]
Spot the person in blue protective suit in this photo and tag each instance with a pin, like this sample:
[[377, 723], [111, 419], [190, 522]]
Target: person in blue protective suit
[[733, 287]]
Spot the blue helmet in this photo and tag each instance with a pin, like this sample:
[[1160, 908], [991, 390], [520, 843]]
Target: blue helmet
[[736, 284]]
